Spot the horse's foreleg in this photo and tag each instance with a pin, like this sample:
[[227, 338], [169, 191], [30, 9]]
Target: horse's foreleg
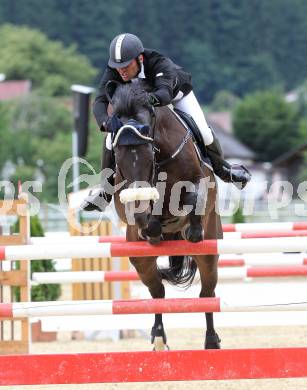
[[146, 268], [207, 266], [194, 231], [153, 232]]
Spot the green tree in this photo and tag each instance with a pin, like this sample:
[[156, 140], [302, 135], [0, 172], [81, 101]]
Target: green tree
[[204, 77], [248, 45], [238, 216], [28, 54], [43, 292], [4, 133], [38, 123], [301, 100], [302, 175], [302, 131], [52, 154], [43, 128], [288, 31], [89, 24], [92, 25], [244, 80], [267, 124], [41, 116], [224, 101]]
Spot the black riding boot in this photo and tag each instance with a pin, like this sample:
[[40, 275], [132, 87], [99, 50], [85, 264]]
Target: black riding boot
[[101, 198], [236, 174]]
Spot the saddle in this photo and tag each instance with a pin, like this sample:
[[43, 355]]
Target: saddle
[[190, 124]]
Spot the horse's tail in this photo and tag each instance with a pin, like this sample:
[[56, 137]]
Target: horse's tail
[[181, 271]]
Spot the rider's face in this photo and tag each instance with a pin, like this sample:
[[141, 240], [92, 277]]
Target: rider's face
[[130, 71]]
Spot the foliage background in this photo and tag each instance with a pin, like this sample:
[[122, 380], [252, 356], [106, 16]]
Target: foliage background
[[236, 45], [42, 292], [243, 56]]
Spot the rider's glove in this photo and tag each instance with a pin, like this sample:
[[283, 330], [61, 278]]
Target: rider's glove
[[153, 100], [107, 125], [112, 124]]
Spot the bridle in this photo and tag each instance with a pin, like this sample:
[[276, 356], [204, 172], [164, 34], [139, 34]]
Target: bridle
[[156, 165], [151, 139]]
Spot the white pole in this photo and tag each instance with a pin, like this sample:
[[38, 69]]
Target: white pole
[[68, 277], [75, 171], [38, 252]]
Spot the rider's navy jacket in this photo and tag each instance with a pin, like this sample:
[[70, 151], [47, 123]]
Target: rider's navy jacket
[[166, 79]]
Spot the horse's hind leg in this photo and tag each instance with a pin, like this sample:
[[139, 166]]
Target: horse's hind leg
[[207, 266], [146, 268]]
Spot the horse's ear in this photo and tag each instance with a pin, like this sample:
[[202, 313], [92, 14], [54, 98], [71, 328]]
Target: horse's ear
[[110, 89]]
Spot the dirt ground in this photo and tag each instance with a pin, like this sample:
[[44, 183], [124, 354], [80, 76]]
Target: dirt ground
[[249, 337]]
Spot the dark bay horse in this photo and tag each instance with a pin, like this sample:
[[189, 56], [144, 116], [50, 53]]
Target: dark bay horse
[[168, 195]]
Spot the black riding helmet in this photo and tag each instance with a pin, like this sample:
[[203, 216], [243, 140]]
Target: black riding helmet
[[123, 49]]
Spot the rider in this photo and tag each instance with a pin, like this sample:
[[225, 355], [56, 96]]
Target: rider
[[170, 84]]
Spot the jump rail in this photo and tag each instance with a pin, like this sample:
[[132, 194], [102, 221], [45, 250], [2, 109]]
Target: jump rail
[[110, 367], [264, 260], [101, 239], [165, 248], [142, 306], [264, 227], [120, 276]]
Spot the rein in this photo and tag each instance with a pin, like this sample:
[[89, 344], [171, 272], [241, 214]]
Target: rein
[[179, 148], [177, 151]]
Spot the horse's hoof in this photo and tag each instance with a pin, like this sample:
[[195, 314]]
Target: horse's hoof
[[159, 344], [154, 240], [213, 342], [194, 235], [154, 228]]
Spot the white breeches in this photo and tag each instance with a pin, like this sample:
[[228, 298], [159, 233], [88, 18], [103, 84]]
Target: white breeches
[[109, 141], [189, 105]]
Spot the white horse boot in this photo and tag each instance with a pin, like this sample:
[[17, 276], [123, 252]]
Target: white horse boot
[[100, 198]]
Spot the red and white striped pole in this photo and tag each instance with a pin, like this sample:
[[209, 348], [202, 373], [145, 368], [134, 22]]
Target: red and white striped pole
[[121, 276], [263, 260], [84, 277], [266, 234], [108, 239], [264, 227], [141, 249], [142, 306]]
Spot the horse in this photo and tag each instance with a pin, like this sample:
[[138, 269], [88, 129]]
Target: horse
[[168, 194]]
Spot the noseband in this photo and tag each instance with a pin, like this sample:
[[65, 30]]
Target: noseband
[[137, 131]]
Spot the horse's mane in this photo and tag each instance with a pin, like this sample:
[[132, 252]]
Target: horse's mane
[[129, 99]]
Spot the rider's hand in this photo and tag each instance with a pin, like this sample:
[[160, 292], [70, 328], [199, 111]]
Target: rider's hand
[[153, 100], [112, 124], [107, 125]]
